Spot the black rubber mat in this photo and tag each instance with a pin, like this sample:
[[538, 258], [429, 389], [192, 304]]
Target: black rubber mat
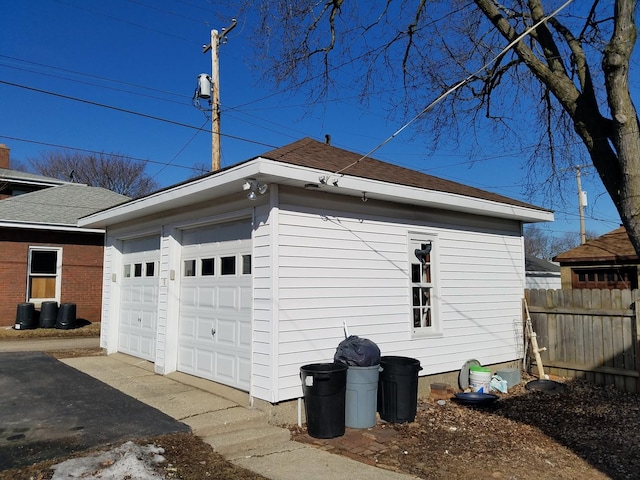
[[49, 409]]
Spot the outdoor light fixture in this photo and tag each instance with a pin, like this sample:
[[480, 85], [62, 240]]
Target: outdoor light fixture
[[254, 188], [421, 253]]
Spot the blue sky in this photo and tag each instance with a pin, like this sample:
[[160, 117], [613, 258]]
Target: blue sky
[[134, 65]]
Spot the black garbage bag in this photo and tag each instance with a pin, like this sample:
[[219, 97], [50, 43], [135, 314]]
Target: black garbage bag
[[357, 352]]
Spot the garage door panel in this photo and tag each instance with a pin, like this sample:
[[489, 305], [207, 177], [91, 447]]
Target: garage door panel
[[206, 297], [187, 357], [189, 296], [225, 366], [206, 326], [246, 299], [226, 333], [245, 334], [228, 298]]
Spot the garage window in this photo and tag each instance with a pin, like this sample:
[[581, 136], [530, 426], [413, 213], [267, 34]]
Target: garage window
[[44, 271], [147, 269], [422, 255], [189, 268], [228, 266], [208, 266]]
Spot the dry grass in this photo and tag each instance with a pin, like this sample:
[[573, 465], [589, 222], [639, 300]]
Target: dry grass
[[84, 330]]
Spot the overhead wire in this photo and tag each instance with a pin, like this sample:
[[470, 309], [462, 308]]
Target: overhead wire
[[124, 110], [445, 94]]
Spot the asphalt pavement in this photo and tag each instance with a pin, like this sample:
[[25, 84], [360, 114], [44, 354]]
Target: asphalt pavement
[[50, 408]]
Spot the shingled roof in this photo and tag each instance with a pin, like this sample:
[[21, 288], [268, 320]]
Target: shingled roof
[[314, 154], [58, 205], [614, 246]]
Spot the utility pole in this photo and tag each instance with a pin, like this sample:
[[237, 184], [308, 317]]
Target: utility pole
[[216, 39], [582, 202]]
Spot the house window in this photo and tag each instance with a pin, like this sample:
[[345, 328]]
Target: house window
[[423, 296], [44, 271], [605, 278]]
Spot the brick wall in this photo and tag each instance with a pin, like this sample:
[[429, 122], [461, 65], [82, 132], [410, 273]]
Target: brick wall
[[81, 270]]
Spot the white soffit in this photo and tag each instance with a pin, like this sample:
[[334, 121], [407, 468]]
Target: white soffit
[[230, 181]]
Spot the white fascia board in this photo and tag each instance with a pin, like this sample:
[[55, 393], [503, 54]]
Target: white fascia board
[[269, 171], [356, 186], [50, 226], [207, 188]]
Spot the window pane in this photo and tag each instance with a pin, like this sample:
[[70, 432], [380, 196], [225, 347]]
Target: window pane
[[427, 273], [42, 287], [416, 318], [44, 261], [416, 270], [416, 296], [426, 317], [228, 266], [127, 271], [426, 296], [189, 268], [137, 270], [246, 264], [150, 270], [208, 266]]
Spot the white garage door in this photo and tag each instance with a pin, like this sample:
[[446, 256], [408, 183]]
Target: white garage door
[[139, 297], [215, 304]]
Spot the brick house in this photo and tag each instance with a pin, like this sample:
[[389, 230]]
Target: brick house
[[606, 262], [44, 255]]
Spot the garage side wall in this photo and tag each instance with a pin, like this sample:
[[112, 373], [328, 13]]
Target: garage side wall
[[349, 262]]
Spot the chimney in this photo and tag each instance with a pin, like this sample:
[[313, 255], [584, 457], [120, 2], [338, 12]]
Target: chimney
[[4, 156], [327, 139]]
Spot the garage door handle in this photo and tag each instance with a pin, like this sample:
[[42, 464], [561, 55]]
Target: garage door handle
[[213, 332]]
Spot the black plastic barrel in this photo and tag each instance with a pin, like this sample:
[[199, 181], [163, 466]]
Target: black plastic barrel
[[324, 387], [48, 314], [398, 389], [25, 318], [66, 319]]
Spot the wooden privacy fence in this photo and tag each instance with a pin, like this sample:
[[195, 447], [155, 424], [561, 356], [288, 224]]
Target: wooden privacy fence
[[591, 334]]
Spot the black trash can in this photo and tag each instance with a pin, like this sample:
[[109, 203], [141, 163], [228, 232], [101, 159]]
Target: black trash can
[[25, 317], [48, 314], [324, 387], [398, 389], [66, 319]]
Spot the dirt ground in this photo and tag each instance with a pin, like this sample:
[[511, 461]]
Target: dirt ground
[[583, 431], [579, 432]]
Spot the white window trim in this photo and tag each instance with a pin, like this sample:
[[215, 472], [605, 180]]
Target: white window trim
[[414, 239], [38, 301]]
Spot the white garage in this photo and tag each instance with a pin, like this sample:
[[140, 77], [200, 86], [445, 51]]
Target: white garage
[[214, 336], [246, 274], [139, 297]]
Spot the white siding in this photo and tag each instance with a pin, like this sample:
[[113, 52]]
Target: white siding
[[265, 264], [335, 266]]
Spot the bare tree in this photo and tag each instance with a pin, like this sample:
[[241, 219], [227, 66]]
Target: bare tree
[[111, 171], [541, 243], [564, 78]]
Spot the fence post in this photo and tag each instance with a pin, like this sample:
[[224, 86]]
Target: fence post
[[636, 311]]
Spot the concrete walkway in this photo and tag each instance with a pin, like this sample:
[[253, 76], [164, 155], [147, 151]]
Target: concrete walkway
[[241, 434]]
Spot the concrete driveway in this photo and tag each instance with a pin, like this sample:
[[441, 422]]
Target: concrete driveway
[[49, 409]]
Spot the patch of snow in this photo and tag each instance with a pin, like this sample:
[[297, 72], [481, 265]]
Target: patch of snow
[[126, 461]]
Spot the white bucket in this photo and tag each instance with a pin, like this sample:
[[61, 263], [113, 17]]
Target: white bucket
[[479, 381]]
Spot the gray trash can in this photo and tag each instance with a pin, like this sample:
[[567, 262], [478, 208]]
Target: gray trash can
[[361, 396]]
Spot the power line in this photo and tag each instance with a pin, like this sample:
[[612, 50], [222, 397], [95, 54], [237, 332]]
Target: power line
[[131, 112]]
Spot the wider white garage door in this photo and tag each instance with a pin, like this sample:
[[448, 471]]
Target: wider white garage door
[[214, 339], [139, 297]]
